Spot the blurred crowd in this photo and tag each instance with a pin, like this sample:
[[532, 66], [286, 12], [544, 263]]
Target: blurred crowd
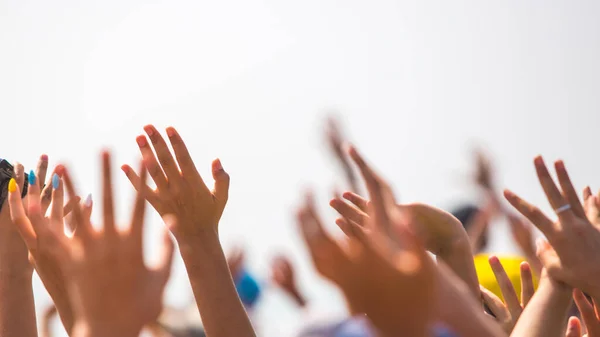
[[405, 269]]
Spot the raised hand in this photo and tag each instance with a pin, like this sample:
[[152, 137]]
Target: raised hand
[[283, 275], [180, 190], [509, 313], [573, 238], [111, 291], [441, 233], [379, 276], [336, 141], [41, 254]]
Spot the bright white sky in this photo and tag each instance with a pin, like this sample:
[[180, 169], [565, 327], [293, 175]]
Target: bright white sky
[[417, 82]]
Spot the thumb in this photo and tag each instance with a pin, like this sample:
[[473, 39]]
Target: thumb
[[549, 258], [221, 191], [573, 327]]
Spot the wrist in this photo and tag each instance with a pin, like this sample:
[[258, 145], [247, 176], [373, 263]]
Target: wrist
[[200, 245]]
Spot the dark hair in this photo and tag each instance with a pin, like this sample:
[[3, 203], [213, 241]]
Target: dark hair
[[465, 214]]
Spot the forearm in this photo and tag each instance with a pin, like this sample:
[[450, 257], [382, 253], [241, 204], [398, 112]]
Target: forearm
[[66, 314], [456, 307], [546, 313], [17, 308], [459, 258], [221, 310]]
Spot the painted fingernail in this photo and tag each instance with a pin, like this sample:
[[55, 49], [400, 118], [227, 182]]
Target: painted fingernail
[[12, 185], [44, 157], [141, 140], [31, 178], [55, 181], [170, 132], [88, 200]]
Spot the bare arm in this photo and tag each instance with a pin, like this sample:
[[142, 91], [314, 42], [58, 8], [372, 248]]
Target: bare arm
[[17, 309], [218, 302], [546, 314]]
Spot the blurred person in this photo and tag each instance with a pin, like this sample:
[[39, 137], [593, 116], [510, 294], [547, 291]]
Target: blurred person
[[476, 220]]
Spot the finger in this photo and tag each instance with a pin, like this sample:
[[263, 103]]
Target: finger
[[42, 169], [592, 212], [534, 214], [186, 164], [552, 192], [353, 230], [152, 165], [19, 216], [135, 181], [573, 327], [357, 200], [20, 176], [88, 206], [527, 288], [568, 190], [166, 260], [587, 192], [46, 194], [506, 287], [221, 190], [349, 212], [33, 193], [380, 215], [549, 259], [83, 226], [495, 304], [57, 210], [586, 309], [108, 207], [137, 220], [164, 154]]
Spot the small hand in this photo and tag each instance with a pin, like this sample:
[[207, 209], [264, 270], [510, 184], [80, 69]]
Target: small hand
[[573, 238], [509, 313], [379, 276], [41, 248], [180, 190], [282, 274]]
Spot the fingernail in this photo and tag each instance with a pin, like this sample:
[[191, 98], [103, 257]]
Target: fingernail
[[218, 165], [141, 140], [88, 200], [55, 181], [44, 157], [170, 132], [31, 178], [12, 185], [149, 130]]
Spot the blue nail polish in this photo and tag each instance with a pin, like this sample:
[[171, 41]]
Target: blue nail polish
[[55, 181], [31, 178]]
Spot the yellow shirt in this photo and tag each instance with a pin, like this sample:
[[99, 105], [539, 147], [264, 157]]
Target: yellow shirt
[[512, 266]]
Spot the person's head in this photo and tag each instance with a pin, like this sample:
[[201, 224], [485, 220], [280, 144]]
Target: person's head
[[466, 214]]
